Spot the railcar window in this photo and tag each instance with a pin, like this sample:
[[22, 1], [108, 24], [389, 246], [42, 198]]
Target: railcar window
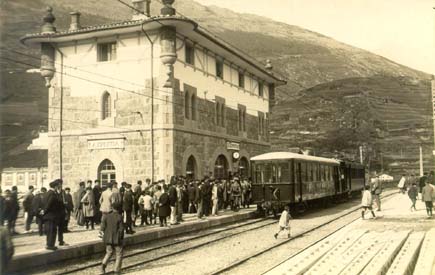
[[259, 173], [268, 172], [283, 174], [303, 171], [311, 172]]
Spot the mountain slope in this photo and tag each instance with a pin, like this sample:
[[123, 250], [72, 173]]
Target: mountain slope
[[313, 63]]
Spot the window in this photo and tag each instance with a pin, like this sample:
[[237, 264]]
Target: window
[[261, 124], [243, 167], [190, 54], [218, 114], [106, 106], [106, 51], [241, 80], [221, 167], [260, 89], [106, 172], [222, 113], [220, 68], [191, 168], [193, 106], [242, 118], [187, 105]]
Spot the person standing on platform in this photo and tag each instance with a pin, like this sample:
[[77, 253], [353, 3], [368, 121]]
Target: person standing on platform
[[146, 204], [366, 202], [427, 197], [15, 209], [413, 194], [215, 198], [116, 194], [164, 207], [376, 193], [422, 182], [172, 194], [37, 206], [52, 215], [206, 197], [2, 208], [402, 184], [77, 197], [191, 193], [284, 222], [137, 192], [9, 210], [179, 206], [127, 207], [88, 202], [68, 201], [97, 190], [6, 249], [113, 237], [27, 206], [200, 200]]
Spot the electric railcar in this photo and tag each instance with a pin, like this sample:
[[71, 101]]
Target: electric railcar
[[284, 178]]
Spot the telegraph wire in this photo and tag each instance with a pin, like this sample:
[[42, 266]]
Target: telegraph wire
[[107, 85]]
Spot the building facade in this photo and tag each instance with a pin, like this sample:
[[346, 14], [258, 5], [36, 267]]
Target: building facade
[[152, 97], [22, 178]]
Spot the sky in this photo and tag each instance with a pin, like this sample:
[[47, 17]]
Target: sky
[[401, 30]]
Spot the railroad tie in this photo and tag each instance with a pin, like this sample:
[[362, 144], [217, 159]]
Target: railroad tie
[[405, 260], [380, 262], [425, 259], [333, 261]]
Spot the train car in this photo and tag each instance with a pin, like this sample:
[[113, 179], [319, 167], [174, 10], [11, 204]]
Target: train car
[[284, 178]]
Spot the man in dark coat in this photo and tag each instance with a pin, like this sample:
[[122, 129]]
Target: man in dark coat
[[97, 190], [10, 210], [27, 206], [53, 212], [422, 182], [172, 193], [137, 192], [113, 237], [16, 209], [68, 202], [37, 206], [2, 208], [127, 207], [164, 207], [191, 194], [206, 197], [6, 248]]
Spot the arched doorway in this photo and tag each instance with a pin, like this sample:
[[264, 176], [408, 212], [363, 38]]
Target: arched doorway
[[106, 171], [244, 167], [191, 168], [221, 167]]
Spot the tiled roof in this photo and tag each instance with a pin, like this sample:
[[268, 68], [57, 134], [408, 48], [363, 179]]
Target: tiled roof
[[115, 25]]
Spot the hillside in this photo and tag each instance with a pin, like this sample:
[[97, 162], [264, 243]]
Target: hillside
[[314, 64]]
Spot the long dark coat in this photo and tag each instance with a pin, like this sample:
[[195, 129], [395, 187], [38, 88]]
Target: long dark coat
[[53, 207], [164, 207], [127, 202]]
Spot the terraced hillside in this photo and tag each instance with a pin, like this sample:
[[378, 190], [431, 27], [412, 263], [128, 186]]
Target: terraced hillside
[[313, 63]]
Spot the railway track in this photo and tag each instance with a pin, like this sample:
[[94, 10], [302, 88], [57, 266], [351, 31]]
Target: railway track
[[243, 260], [222, 233]]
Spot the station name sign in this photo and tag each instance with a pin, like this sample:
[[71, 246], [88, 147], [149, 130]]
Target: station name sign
[[98, 144], [233, 146]]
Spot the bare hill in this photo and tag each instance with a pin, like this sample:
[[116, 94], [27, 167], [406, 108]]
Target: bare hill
[[315, 65]]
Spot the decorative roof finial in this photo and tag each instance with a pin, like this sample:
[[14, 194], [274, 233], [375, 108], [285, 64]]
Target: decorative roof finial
[[167, 7], [268, 66], [48, 19]]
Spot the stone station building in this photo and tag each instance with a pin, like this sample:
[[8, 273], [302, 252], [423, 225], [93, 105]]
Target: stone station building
[[151, 97]]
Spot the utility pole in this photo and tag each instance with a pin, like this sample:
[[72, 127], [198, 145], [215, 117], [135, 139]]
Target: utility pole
[[361, 154], [421, 161]]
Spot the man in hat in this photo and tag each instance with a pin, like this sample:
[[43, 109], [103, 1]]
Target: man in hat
[[127, 207], [52, 215]]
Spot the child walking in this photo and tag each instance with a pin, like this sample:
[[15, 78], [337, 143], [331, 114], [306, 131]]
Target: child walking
[[366, 202], [284, 222]]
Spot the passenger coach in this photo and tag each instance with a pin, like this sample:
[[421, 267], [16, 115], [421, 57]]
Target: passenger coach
[[284, 178]]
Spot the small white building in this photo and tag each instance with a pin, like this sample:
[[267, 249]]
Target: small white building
[[23, 178]]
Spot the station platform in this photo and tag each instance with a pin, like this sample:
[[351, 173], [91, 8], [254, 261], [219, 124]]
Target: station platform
[[397, 241], [30, 248]]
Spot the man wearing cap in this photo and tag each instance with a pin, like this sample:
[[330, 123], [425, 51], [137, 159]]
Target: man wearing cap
[[127, 207], [52, 215]]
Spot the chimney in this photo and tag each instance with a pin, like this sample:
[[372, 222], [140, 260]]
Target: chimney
[[48, 20], [167, 9], [75, 21], [142, 9]]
